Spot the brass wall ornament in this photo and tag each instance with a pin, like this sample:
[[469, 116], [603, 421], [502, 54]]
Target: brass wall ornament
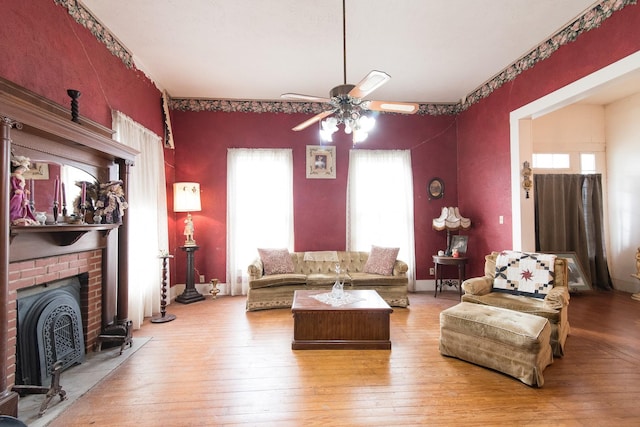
[[526, 178]]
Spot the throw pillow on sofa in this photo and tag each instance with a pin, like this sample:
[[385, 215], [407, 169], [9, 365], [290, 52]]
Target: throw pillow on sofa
[[381, 260], [276, 261]]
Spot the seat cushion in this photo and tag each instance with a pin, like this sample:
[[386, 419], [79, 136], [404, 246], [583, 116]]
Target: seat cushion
[[519, 303], [506, 326], [278, 280]]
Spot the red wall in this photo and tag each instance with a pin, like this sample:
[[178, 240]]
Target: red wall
[[47, 52], [483, 130], [202, 140]]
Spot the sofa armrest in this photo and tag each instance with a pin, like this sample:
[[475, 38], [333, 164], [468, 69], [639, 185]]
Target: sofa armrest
[[255, 269], [557, 298], [478, 285], [400, 268]]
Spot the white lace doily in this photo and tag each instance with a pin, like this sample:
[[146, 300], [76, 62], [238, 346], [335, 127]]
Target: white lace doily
[[328, 298]]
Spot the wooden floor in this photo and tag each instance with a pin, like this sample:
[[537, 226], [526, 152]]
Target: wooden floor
[[218, 365]]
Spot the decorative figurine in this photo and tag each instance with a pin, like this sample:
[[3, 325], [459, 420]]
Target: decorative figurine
[[19, 209], [111, 203]]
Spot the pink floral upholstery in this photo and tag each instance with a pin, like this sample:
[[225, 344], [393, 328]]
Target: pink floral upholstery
[[381, 260], [276, 261]]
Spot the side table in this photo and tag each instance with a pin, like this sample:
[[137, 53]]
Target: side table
[[439, 261], [190, 293]]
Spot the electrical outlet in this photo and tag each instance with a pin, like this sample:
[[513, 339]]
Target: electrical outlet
[[202, 278], [432, 271]]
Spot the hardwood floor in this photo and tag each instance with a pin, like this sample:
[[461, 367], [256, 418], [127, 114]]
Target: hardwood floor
[[218, 365]]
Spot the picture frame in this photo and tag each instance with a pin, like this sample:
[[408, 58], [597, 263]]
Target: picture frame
[[577, 280], [37, 171], [458, 242], [435, 188], [321, 162]]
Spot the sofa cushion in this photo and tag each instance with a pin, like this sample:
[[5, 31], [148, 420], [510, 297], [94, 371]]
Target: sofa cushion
[[276, 261], [278, 280], [519, 303], [362, 279], [381, 260], [521, 273]]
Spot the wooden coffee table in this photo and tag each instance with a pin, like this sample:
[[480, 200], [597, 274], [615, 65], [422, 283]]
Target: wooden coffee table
[[361, 325]]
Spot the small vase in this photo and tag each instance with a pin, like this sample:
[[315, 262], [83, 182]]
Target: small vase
[[41, 217]]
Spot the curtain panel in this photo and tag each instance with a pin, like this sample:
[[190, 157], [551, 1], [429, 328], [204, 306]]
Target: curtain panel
[[147, 212], [569, 217], [380, 203], [259, 208]]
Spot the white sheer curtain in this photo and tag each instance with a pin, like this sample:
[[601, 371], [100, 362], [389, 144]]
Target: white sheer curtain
[[259, 208], [147, 216], [380, 203]]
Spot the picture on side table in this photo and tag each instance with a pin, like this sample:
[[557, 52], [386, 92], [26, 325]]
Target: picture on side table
[[460, 243], [321, 162]]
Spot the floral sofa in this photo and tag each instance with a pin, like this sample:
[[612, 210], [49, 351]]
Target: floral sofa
[[277, 273]]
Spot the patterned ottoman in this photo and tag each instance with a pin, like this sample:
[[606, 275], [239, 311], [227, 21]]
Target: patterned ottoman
[[508, 341]]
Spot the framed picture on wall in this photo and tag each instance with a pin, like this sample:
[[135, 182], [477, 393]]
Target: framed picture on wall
[[321, 162], [577, 279], [37, 171]]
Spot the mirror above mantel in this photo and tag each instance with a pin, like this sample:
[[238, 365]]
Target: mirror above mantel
[[40, 180]]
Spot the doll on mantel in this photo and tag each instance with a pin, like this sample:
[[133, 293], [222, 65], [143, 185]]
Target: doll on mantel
[[111, 203], [19, 209]]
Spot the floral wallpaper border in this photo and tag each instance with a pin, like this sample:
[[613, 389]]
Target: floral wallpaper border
[[591, 19]]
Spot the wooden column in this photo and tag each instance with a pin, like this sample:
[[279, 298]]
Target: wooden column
[[123, 247], [8, 399]]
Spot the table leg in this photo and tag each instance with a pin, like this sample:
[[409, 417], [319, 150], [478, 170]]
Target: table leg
[[460, 277], [435, 270]]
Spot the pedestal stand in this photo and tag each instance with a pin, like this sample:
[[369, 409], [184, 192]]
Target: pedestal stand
[[190, 293], [164, 317]]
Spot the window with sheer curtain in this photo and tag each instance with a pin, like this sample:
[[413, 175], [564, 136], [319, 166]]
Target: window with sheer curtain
[[259, 208], [380, 203], [147, 216]]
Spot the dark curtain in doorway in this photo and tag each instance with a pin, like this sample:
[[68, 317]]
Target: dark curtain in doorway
[[568, 211]]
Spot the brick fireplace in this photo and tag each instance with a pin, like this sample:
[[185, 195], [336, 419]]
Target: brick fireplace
[[29, 273]]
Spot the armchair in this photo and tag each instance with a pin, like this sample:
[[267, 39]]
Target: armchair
[[554, 307]]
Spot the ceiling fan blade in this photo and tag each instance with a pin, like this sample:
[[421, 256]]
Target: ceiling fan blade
[[313, 120], [371, 82], [299, 97], [393, 107]]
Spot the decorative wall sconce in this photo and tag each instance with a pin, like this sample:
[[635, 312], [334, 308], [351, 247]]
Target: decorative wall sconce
[[526, 178]]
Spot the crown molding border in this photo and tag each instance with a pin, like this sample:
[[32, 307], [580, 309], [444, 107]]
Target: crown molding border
[[589, 20]]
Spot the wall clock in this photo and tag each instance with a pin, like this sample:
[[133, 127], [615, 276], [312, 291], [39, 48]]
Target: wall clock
[[435, 189]]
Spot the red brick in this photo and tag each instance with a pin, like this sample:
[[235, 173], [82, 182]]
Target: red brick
[[17, 266]]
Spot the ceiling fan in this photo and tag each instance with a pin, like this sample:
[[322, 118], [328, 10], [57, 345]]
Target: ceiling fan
[[347, 103]]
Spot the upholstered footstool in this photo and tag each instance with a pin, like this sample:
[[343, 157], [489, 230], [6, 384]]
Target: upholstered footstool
[[507, 341]]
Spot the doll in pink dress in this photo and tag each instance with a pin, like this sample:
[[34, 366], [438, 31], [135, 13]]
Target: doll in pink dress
[[19, 209]]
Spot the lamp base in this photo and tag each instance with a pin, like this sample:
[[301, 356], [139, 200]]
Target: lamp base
[[163, 319]]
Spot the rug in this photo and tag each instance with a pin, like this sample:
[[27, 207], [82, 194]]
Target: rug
[[76, 381]]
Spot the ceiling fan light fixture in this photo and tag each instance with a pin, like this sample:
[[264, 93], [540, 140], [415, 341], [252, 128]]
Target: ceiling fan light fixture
[[404, 108]]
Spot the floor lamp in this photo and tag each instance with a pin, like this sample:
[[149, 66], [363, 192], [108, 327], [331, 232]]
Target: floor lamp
[[186, 198]]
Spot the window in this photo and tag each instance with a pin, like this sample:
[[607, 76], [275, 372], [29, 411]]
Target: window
[[587, 163], [259, 208], [374, 177], [551, 161]]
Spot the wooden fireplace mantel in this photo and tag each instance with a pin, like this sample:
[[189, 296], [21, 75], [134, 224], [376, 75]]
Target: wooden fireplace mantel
[[35, 127], [64, 234]]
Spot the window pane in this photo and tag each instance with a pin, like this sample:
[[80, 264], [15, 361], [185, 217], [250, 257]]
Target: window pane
[[588, 162], [551, 161]]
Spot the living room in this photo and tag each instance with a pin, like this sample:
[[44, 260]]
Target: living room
[[471, 151]]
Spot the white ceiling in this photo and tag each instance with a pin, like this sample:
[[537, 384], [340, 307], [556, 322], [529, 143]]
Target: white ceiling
[[437, 51]]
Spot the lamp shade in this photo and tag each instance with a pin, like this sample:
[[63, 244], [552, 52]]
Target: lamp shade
[[186, 197], [451, 220]]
